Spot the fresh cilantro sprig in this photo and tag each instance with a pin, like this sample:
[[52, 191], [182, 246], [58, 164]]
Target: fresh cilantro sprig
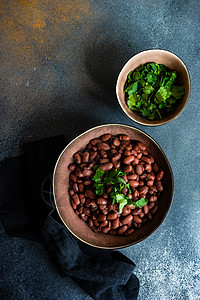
[[117, 183], [151, 90]]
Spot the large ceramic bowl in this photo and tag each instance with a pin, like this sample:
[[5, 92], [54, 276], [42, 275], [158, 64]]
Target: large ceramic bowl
[[62, 200], [158, 56]]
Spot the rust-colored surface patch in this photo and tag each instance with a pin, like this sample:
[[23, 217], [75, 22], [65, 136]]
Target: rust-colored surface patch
[[32, 28]]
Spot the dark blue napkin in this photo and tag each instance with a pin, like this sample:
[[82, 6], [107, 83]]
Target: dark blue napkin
[[103, 274]]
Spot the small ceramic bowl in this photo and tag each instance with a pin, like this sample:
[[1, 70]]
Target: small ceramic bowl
[[61, 185], [158, 56]]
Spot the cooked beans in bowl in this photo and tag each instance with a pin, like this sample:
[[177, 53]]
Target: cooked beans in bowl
[[115, 184]]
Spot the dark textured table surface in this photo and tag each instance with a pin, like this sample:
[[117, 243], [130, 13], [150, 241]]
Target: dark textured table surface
[[59, 64]]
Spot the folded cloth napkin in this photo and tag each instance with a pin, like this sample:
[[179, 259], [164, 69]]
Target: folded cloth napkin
[[103, 274]]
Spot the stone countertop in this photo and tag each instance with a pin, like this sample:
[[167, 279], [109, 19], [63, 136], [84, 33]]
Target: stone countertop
[[59, 65]]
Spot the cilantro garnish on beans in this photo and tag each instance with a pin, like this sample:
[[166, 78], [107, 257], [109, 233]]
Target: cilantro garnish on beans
[[152, 91]]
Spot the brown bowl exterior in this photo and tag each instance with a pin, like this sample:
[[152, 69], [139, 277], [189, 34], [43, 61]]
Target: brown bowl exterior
[[160, 57], [61, 184]]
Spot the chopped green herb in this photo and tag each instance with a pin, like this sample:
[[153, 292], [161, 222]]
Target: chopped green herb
[[152, 91], [117, 183]]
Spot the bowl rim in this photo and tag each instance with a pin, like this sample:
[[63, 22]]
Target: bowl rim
[[171, 195], [162, 122]]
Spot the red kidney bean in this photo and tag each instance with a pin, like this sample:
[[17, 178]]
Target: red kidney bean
[[102, 206], [105, 229], [80, 209], [132, 176], [127, 219], [159, 175], [103, 146], [93, 154], [106, 167], [89, 193], [73, 204], [82, 198], [142, 195], [81, 187], [151, 176], [136, 211], [87, 182], [148, 168], [128, 147], [87, 173], [72, 167], [92, 203], [95, 141], [146, 209], [116, 164], [149, 216], [133, 183], [139, 169], [125, 178], [151, 158], [130, 231], [127, 160], [104, 223], [113, 232], [116, 157], [75, 187], [77, 158], [128, 169], [113, 151], [115, 223], [141, 146], [86, 156], [126, 211], [112, 216], [141, 182], [153, 198], [139, 155], [155, 167], [135, 162], [71, 192], [101, 218], [136, 148], [137, 219], [150, 182], [124, 191], [143, 189], [146, 159], [131, 206], [127, 152], [116, 142], [133, 152], [122, 229], [103, 154], [141, 215], [136, 193], [151, 205], [125, 137], [90, 222], [145, 152], [159, 185], [101, 201], [106, 137], [153, 188], [104, 160], [105, 212], [154, 210], [96, 223]]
